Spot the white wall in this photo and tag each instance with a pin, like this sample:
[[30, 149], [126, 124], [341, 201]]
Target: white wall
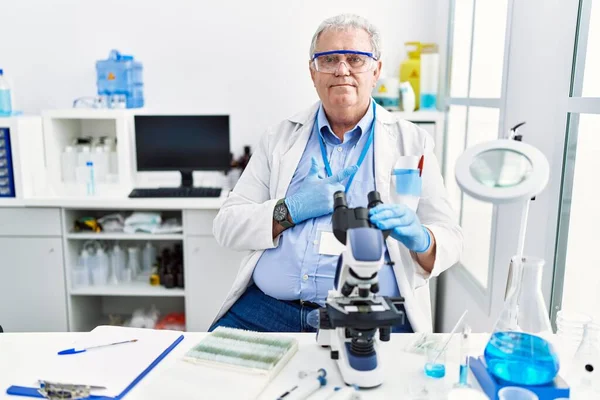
[[245, 58]]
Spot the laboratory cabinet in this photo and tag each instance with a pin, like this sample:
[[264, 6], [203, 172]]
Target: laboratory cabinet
[[32, 285], [211, 269]]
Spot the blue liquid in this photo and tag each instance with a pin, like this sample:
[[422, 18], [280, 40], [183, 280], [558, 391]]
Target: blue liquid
[[435, 370], [463, 374], [521, 358]]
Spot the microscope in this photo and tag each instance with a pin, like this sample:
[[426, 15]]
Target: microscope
[[354, 312]]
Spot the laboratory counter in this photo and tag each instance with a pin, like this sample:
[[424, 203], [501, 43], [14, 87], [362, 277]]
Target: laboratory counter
[[119, 202], [402, 364]]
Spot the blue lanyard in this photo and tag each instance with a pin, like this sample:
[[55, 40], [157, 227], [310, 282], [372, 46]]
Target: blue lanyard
[[362, 156]]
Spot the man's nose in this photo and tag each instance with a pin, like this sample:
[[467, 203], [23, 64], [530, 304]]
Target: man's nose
[[342, 69]]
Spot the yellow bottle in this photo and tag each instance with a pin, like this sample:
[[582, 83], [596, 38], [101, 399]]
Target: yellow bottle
[[410, 69]]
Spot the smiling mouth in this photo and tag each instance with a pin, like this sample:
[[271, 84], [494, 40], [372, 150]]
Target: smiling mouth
[[342, 85]]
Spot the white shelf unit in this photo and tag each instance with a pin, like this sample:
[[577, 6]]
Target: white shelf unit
[[89, 306], [62, 127], [136, 288], [124, 236]]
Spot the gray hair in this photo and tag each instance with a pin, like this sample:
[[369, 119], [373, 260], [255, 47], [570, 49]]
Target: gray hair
[[345, 21]]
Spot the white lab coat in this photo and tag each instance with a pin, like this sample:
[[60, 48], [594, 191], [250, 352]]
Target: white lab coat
[[245, 220]]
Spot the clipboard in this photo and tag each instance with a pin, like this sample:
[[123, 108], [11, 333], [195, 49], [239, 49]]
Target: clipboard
[[25, 391]]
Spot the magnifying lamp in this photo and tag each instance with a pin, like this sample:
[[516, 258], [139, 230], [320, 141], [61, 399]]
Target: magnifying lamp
[[504, 171]]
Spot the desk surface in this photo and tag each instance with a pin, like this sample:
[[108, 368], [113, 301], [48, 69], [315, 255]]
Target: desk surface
[[403, 370]]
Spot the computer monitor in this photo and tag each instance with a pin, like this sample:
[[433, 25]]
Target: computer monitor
[[184, 143]]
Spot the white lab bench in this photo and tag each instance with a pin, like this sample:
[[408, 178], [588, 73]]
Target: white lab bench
[[38, 248]]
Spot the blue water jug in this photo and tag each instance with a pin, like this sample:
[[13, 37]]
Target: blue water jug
[[121, 75]]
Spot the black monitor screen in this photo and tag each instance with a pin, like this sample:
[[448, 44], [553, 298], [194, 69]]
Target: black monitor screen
[[182, 142]]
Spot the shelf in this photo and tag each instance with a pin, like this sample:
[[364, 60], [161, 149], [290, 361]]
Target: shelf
[[123, 236], [139, 289]]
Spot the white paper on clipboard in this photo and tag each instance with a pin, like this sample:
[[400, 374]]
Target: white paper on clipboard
[[114, 367]]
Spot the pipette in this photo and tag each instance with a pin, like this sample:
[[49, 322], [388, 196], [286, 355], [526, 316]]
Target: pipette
[[309, 383], [449, 337]]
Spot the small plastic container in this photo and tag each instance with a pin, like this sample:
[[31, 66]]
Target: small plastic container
[[120, 75]]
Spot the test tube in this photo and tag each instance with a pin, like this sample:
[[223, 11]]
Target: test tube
[[463, 372]]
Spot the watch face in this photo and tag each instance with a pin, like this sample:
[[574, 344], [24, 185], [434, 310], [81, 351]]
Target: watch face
[[280, 212]]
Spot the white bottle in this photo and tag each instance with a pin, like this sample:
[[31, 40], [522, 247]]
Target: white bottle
[[133, 262], [148, 257], [83, 157], [100, 271], [119, 263], [100, 159], [111, 149], [430, 66], [408, 97], [5, 97], [69, 164], [80, 275]]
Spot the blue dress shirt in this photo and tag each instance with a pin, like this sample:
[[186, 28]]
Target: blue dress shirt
[[295, 269]]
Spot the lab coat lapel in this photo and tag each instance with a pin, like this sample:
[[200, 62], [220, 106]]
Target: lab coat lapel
[[291, 158], [385, 155]]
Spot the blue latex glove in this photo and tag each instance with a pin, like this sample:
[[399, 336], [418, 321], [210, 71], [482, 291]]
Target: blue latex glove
[[314, 198], [404, 223]]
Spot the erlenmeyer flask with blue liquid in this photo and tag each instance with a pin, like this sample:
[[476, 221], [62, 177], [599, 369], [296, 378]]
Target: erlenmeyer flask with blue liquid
[[519, 351]]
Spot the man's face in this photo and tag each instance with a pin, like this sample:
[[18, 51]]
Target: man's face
[[343, 88]]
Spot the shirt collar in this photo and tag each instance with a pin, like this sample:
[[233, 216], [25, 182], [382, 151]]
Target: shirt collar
[[327, 133]]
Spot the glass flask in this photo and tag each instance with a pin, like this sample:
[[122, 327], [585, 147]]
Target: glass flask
[[518, 351], [584, 374]]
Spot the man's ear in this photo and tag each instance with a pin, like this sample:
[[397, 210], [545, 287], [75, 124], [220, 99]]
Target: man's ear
[[312, 72], [377, 71]]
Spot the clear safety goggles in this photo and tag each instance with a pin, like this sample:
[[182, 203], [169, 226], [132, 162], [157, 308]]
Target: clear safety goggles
[[356, 61]]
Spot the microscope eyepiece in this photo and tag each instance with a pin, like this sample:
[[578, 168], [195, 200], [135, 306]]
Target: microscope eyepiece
[[374, 199], [339, 200]]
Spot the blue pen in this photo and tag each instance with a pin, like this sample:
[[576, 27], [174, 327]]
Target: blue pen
[[75, 351]]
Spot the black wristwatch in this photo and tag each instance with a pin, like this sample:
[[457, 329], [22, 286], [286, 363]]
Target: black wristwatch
[[280, 214]]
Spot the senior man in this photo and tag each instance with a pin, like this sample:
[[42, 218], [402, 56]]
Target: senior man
[[280, 210]]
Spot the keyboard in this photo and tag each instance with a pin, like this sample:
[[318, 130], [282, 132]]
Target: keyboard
[[176, 192]]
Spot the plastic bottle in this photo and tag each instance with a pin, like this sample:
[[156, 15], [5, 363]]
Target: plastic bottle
[[410, 68], [69, 164], [5, 96], [119, 262], [133, 261], [100, 270], [148, 257], [83, 156], [100, 159], [80, 275], [430, 65], [407, 97], [119, 78]]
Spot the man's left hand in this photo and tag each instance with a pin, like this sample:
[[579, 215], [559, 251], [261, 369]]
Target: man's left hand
[[404, 223]]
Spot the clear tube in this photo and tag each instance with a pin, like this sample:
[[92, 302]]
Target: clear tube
[[463, 373]]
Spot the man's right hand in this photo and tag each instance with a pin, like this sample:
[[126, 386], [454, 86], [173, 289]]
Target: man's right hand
[[314, 198]]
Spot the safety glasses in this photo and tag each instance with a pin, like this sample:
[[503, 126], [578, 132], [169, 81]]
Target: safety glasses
[[356, 61]]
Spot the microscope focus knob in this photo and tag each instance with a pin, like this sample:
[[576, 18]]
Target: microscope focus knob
[[385, 333], [347, 289]]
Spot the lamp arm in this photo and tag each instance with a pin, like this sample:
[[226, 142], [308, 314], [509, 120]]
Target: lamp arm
[[523, 229]]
